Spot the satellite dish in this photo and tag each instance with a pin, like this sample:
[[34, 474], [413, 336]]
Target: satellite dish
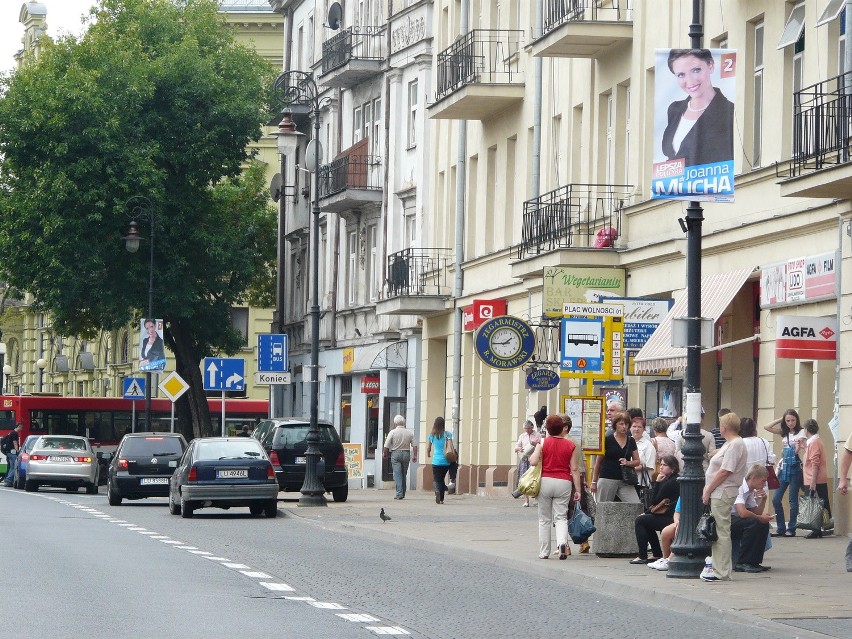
[[275, 187], [313, 156], [335, 15]]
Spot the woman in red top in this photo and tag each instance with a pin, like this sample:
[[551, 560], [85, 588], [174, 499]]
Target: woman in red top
[[814, 469], [559, 465]]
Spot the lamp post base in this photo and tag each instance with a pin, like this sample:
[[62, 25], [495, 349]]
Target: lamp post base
[[312, 500]]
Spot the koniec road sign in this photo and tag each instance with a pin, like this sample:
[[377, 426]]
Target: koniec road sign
[[261, 378]]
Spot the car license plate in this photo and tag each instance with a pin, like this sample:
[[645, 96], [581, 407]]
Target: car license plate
[[154, 480], [301, 460], [237, 473], [57, 458]]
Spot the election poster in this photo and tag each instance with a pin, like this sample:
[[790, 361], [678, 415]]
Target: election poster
[[694, 92]]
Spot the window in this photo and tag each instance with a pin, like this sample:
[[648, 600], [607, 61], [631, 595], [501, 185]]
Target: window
[[357, 130], [372, 275], [125, 349], [412, 114], [833, 9], [375, 135], [798, 63], [841, 45], [346, 408], [610, 140], [795, 26], [239, 322], [757, 132], [627, 135], [351, 265], [409, 213], [556, 158]]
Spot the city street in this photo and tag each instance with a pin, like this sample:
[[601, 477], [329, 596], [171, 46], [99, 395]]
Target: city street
[[319, 573]]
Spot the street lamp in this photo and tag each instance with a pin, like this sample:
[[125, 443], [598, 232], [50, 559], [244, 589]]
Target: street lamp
[[3, 365], [299, 88], [41, 364], [139, 207]]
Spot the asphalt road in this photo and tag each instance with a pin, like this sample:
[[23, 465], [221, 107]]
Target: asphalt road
[[161, 575]]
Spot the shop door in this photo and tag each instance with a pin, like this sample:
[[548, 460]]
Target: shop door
[[393, 406]]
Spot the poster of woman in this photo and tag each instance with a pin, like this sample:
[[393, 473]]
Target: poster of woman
[[152, 352], [694, 91]]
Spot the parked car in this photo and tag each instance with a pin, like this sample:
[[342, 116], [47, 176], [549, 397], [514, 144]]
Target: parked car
[[62, 460], [142, 465], [224, 472], [285, 441], [21, 463]]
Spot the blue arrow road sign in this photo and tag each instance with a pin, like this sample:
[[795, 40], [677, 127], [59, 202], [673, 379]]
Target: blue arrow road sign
[[224, 374], [271, 353], [134, 388]]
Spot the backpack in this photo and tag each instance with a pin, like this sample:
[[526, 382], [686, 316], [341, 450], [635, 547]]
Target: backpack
[[6, 443]]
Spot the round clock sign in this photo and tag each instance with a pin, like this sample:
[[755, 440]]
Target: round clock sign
[[505, 342]]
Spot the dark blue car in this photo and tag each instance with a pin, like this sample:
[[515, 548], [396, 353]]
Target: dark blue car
[[21, 464]]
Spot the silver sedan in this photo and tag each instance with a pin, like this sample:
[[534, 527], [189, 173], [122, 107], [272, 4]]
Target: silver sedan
[[62, 460]]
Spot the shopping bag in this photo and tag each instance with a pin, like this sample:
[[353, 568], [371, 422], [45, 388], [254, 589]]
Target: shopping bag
[[530, 482], [706, 528], [810, 512], [580, 526]]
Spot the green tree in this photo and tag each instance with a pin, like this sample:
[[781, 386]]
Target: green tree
[[155, 99]]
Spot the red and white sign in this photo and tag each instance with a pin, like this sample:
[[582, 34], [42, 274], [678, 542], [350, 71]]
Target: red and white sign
[[482, 310], [806, 337], [370, 385], [802, 279]]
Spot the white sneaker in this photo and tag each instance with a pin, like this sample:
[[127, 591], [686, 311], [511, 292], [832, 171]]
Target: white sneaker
[[661, 565], [707, 572]]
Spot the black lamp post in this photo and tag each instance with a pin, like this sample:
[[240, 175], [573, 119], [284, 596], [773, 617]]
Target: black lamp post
[[139, 207], [688, 551], [297, 88]]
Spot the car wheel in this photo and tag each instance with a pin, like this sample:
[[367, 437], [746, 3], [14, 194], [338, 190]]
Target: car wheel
[[113, 497], [271, 509], [71, 489], [255, 509], [174, 508], [340, 494], [31, 486], [92, 489], [186, 508]]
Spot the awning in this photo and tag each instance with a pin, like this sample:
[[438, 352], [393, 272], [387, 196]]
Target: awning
[[831, 11], [717, 292], [381, 355], [794, 27]]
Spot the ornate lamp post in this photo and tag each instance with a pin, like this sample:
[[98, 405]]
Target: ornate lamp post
[[139, 207], [297, 88]]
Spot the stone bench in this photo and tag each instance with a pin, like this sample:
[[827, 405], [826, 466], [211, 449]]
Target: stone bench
[[615, 535]]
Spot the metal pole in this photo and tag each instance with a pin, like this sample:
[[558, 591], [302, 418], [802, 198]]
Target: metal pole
[[224, 430], [148, 425], [313, 492], [689, 552]]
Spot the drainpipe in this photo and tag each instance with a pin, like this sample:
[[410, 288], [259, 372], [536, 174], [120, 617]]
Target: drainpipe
[[461, 172], [536, 155]]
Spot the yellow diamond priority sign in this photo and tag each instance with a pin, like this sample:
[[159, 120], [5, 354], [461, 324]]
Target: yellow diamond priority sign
[[174, 386]]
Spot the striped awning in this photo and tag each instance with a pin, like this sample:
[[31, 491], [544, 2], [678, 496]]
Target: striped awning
[[382, 355], [717, 292]]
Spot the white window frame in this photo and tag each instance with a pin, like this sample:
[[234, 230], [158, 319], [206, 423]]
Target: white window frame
[[627, 108], [412, 114], [351, 266], [357, 124], [757, 97], [376, 133], [371, 263], [610, 139]]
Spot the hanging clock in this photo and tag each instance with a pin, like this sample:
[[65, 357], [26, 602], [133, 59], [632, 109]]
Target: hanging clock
[[505, 342]]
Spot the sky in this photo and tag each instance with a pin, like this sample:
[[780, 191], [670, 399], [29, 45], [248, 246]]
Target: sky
[[63, 16]]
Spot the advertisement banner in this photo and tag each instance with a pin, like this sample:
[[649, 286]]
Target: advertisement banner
[[694, 91], [152, 351], [564, 284], [799, 337], [641, 318], [800, 279]]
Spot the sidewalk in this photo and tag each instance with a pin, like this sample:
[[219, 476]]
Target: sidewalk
[[808, 583]]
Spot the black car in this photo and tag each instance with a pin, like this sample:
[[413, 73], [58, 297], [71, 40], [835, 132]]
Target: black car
[[142, 465], [285, 441]]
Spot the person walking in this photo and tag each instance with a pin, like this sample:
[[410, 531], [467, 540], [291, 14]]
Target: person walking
[[440, 465], [10, 445], [723, 478], [560, 480], [793, 438], [401, 449], [815, 472], [843, 488], [524, 447]]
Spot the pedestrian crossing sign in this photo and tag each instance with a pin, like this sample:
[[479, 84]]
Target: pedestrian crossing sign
[[134, 388]]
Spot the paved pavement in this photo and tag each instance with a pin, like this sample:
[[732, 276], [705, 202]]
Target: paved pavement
[[808, 586]]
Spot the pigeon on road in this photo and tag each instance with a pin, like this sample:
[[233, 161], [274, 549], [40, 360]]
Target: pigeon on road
[[383, 516]]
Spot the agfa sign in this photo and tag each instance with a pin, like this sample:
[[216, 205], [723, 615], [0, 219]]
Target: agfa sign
[[806, 337]]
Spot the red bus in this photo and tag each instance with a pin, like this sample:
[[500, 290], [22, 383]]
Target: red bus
[[105, 420]]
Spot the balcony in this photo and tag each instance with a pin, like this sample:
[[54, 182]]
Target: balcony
[[353, 56], [573, 216], [822, 141], [354, 179], [418, 282], [584, 28], [478, 76]]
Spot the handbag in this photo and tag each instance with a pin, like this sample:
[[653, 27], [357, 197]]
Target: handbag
[[706, 528], [662, 507], [646, 496], [580, 526], [771, 479], [628, 474], [530, 482], [810, 512], [449, 450]]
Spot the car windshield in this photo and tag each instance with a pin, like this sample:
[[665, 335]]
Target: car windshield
[[154, 446], [244, 449], [298, 433], [62, 443]]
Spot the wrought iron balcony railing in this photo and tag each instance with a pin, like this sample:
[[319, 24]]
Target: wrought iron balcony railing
[[351, 172], [822, 125], [557, 12], [355, 43], [420, 271], [573, 216], [482, 55]]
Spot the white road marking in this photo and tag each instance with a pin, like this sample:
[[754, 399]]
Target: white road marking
[[256, 574], [357, 618], [172, 541], [271, 585], [236, 566], [387, 630], [327, 605], [186, 547], [200, 552], [217, 558]]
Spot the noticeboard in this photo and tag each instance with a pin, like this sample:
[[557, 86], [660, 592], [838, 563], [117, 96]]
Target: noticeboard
[[353, 454], [587, 421]]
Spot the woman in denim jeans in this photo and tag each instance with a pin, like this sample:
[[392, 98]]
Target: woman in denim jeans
[[793, 438]]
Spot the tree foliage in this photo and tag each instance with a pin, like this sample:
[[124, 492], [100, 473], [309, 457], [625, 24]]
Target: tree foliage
[[155, 99]]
